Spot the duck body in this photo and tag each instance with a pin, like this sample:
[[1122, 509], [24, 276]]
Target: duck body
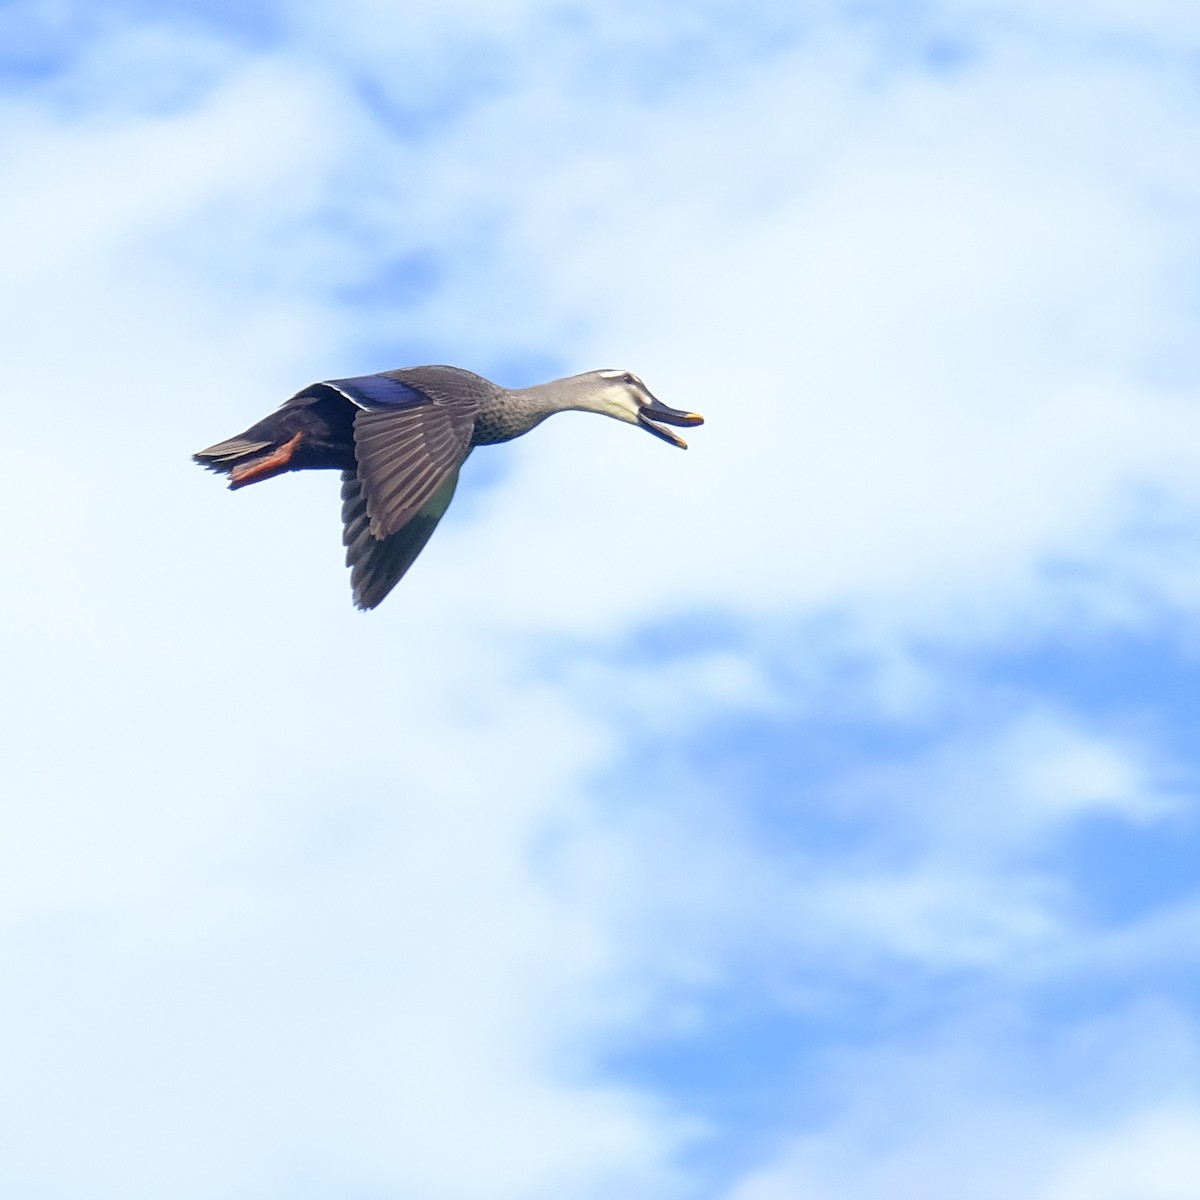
[[399, 438]]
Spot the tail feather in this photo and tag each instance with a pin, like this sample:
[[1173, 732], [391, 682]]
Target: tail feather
[[309, 431], [235, 458], [224, 456]]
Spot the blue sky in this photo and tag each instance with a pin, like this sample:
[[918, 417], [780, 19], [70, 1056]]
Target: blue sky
[[810, 816]]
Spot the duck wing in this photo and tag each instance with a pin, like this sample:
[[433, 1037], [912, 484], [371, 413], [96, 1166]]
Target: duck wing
[[377, 564], [411, 433]]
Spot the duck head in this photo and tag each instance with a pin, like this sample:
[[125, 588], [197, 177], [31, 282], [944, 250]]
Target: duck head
[[621, 394]]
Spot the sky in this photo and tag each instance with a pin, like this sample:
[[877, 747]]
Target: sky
[[813, 815]]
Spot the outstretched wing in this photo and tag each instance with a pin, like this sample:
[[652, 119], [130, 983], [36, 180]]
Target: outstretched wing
[[412, 432], [403, 458], [377, 564], [413, 429]]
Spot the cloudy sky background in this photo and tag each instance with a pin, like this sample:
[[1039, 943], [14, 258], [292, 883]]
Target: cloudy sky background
[[810, 816]]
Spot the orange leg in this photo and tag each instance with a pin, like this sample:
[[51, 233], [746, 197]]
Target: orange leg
[[275, 463]]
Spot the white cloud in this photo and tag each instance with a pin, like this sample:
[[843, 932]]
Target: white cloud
[[1171, 26], [977, 1118], [945, 858], [311, 900], [997, 1154], [1155, 1156], [1017, 783]]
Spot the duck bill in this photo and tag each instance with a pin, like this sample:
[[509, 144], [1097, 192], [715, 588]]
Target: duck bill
[[657, 410]]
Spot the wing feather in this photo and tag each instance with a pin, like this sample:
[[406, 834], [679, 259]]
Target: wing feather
[[404, 455], [412, 432], [377, 564], [399, 439]]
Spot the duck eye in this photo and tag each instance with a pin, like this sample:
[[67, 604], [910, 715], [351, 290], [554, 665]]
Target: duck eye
[[627, 378]]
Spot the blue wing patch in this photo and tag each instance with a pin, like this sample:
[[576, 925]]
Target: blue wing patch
[[378, 391]]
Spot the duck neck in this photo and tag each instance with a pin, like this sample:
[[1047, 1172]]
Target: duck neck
[[516, 411]]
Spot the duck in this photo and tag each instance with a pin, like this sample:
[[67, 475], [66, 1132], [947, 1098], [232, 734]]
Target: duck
[[399, 439]]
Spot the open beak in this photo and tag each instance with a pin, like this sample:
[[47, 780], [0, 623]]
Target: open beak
[[669, 416]]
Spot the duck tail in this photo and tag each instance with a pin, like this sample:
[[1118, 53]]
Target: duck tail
[[246, 459]]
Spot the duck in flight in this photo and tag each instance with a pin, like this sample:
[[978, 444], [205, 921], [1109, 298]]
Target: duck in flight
[[399, 439]]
